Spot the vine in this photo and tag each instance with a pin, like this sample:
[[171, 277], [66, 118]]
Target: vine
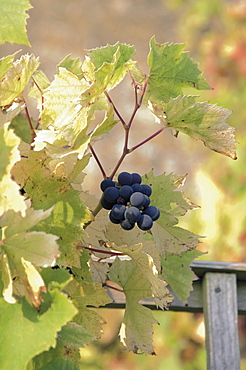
[[46, 219]]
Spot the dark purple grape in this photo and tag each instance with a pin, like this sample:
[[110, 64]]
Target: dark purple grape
[[145, 222], [137, 199], [136, 178], [147, 201], [111, 194], [126, 225], [146, 189], [114, 220], [107, 205], [125, 178], [136, 187], [126, 191], [118, 211], [132, 214], [153, 212], [106, 184]]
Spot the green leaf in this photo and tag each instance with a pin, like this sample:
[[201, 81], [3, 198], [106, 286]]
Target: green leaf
[[167, 235], [47, 190], [171, 70], [16, 78], [74, 335], [41, 82], [107, 124], [146, 264], [177, 273], [24, 248], [21, 128], [6, 63], [33, 332], [112, 62], [85, 292], [10, 197], [201, 121], [72, 65], [63, 114], [60, 364], [7, 115], [13, 21], [137, 327]]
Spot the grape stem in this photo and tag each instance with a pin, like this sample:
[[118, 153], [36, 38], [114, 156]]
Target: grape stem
[[114, 288], [102, 251], [115, 109], [97, 160], [126, 126], [32, 132]]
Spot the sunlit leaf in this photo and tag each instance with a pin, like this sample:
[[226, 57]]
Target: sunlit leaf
[[137, 327], [72, 65], [112, 63], [177, 272], [201, 121], [33, 332], [167, 235], [13, 21], [171, 70], [10, 197], [17, 77]]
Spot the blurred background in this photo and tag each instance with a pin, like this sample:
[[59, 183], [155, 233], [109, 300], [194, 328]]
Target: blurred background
[[215, 34]]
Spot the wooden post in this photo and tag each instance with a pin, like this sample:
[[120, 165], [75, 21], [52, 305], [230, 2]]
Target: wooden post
[[221, 321]]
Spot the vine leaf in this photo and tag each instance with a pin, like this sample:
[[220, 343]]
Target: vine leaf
[[107, 124], [10, 197], [137, 326], [23, 248], [98, 271], [146, 264], [171, 70], [177, 273], [13, 21], [85, 292], [111, 63], [72, 65], [63, 115], [40, 328], [16, 78], [199, 120], [7, 280], [172, 204], [48, 190], [6, 63]]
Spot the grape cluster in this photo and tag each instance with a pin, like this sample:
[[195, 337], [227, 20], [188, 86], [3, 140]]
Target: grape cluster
[[128, 201]]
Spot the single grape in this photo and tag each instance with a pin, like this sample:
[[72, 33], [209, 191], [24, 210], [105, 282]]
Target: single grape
[[114, 220], [136, 178], [132, 214], [107, 205], [146, 189], [106, 184], [118, 211], [153, 212], [137, 199], [147, 201], [125, 178], [126, 191], [126, 225], [136, 187], [111, 194], [145, 222]]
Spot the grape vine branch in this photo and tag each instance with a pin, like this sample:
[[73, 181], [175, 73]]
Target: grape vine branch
[[131, 239]]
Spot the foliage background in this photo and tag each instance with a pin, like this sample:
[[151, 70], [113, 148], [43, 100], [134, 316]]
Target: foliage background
[[215, 35]]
